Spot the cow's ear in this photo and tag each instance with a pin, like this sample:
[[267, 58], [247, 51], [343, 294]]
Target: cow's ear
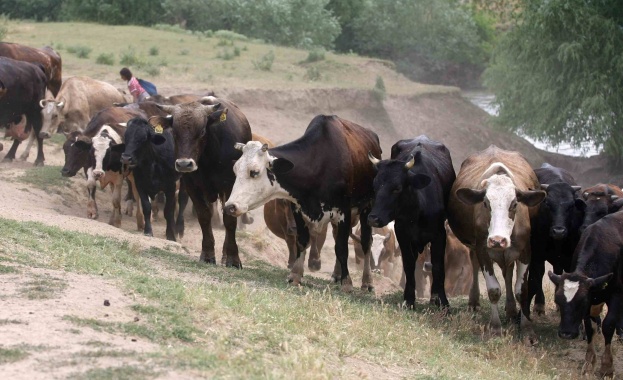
[[616, 205], [470, 196], [118, 148], [580, 204], [83, 143], [418, 181], [600, 282], [556, 279], [161, 122], [217, 116], [281, 165], [530, 198], [158, 139]]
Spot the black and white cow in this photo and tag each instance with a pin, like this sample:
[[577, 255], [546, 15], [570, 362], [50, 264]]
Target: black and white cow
[[325, 174], [413, 188]]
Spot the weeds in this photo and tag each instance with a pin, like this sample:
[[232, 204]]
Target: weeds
[[44, 177], [43, 287], [105, 59], [80, 51], [314, 56], [154, 51], [313, 74], [379, 91], [11, 355], [266, 62]]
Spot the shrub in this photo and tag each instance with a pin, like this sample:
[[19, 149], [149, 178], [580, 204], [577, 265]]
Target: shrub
[[153, 51], [150, 68], [4, 29], [80, 51], [313, 74], [184, 52], [314, 56], [225, 54], [225, 42], [229, 35], [169, 28], [379, 91], [129, 57], [105, 59], [237, 51], [266, 62]]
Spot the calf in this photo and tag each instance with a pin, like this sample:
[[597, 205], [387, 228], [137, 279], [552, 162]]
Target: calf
[[489, 211], [412, 188], [597, 278], [382, 251], [555, 229], [148, 152], [598, 201]]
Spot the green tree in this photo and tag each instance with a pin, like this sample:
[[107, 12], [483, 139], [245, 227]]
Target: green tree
[[558, 73], [39, 10]]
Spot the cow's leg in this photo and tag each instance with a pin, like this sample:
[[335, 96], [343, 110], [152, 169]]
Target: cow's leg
[[409, 259], [40, 157], [91, 188], [230, 247], [510, 306], [367, 282], [314, 264], [10, 156], [129, 200], [140, 216], [535, 285], [341, 247], [608, 327], [182, 202], [590, 358], [31, 141], [474, 293], [116, 183], [336, 276], [291, 243], [438, 253], [156, 204], [169, 212], [521, 295], [302, 239], [146, 206], [204, 216], [493, 289]]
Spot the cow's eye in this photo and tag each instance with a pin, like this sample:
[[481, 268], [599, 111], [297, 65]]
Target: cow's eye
[[254, 173], [486, 204], [397, 190], [513, 206]]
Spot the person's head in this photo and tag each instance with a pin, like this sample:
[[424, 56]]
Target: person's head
[[126, 74]]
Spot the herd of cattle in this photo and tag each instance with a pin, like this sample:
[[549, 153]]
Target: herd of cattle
[[199, 146]]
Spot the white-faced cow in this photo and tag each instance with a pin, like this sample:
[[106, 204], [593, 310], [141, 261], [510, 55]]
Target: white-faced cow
[[149, 153], [596, 278], [325, 173], [20, 84], [205, 133], [412, 188], [555, 229], [490, 208], [78, 100], [383, 250]]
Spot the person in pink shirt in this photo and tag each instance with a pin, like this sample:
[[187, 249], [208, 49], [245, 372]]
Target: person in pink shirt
[[138, 93]]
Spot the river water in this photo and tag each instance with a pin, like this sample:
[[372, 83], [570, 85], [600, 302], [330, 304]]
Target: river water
[[485, 101]]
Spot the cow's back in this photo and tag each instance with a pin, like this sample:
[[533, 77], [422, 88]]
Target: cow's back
[[548, 174], [22, 85], [110, 115], [460, 215], [86, 96], [46, 56]]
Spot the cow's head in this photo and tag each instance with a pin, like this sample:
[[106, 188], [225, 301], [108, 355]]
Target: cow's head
[[52, 116], [573, 297], [190, 123], [76, 149], [379, 250], [496, 201], [560, 207], [99, 148], [395, 180], [597, 202], [256, 182], [138, 134]]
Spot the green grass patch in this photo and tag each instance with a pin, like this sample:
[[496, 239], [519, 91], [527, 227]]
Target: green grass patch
[[42, 287], [123, 372], [80, 51], [44, 177], [105, 59], [4, 322], [7, 269], [58, 139], [11, 355]]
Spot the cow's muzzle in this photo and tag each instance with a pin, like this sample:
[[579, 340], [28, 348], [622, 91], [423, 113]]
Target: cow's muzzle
[[558, 233], [427, 267], [233, 210], [66, 172], [98, 174], [374, 221], [497, 242], [185, 165], [568, 335], [128, 160]]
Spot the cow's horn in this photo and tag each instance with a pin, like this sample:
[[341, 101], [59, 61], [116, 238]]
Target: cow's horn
[[375, 161], [239, 146], [576, 188], [410, 163], [61, 104], [207, 100], [42, 103], [614, 197], [264, 147], [166, 108], [544, 186]]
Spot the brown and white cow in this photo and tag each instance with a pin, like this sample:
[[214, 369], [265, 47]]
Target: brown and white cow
[[490, 207], [78, 100], [325, 173], [383, 251]]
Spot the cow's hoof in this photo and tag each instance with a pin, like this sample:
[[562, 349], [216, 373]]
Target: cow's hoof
[[38, 163], [129, 208], [92, 215], [294, 279], [587, 368], [495, 331], [347, 285], [474, 307], [530, 340], [150, 234], [210, 260], [539, 309], [408, 304], [335, 278], [314, 265], [8, 160], [234, 265], [368, 287]]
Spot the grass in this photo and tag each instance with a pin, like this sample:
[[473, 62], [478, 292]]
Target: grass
[[122, 372], [11, 355], [250, 324], [190, 55], [42, 287], [44, 177], [105, 59]]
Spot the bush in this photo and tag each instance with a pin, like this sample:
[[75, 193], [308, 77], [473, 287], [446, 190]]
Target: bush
[[169, 28], [129, 57], [266, 62], [150, 68], [313, 74], [80, 51], [4, 29], [226, 55], [184, 52], [379, 91], [153, 51], [314, 56], [105, 59], [229, 35]]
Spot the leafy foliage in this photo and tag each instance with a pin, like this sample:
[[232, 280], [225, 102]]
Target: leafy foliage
[[558, 74], [137, 12], [39, 10]]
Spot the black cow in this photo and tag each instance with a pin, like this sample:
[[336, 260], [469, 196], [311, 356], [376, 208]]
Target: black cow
[[22, 85], [597, 278], [598, 201], [413, 188], [204, 134], [327, 176], [149, 153], [555, 229]]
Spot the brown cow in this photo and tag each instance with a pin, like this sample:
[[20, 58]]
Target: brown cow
[[458, 267], [490, 207], [383, 251], [46, 56]]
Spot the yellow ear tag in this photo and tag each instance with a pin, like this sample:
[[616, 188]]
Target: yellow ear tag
[[158, 129], [223, 117]]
